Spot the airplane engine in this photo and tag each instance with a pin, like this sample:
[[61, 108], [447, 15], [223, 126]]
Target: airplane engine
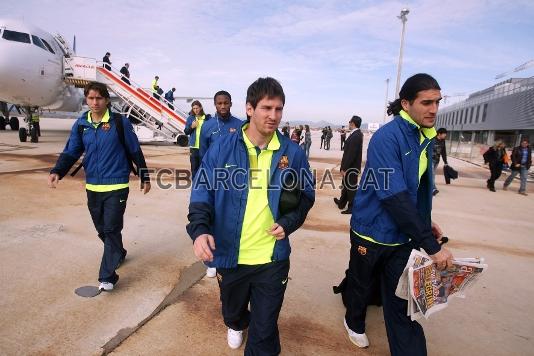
[[71, 100]]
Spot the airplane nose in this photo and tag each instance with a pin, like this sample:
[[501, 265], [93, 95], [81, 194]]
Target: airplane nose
[[12, 74]]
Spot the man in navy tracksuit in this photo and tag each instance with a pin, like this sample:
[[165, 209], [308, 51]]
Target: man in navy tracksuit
[[392, 215], [243, 209], [221, 124], [109, 152]]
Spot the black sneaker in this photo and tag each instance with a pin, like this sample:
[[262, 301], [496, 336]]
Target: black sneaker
[[435, 192]]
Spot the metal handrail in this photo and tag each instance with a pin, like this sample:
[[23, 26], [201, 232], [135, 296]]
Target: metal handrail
[[134, 84]]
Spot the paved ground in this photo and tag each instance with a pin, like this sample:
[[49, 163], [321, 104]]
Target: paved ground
[[48, 248]]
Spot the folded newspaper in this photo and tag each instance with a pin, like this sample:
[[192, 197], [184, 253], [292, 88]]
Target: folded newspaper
[[427, 289]]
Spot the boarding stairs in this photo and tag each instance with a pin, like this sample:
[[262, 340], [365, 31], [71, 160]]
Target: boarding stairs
[[164, 119]]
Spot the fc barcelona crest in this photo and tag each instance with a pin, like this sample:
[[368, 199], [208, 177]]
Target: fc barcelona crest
[[105, 126], [362, 250], [283, 163]]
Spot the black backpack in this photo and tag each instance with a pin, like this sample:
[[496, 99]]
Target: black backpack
[[117, 119]]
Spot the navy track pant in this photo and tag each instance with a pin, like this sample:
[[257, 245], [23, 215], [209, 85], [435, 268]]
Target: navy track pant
[[264, 287], [107, 211], [367, 260]]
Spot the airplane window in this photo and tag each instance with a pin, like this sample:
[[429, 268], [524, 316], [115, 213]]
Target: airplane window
[[48, 46], [16, 36], [37, 41]]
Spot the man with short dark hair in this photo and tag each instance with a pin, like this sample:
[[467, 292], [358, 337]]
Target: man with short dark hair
[[169, 96], [392, 215], [521, 162], [440, 150], [125, 73], [351, 165], [109, 153], [221, 124], [107, 61], [243, 229]]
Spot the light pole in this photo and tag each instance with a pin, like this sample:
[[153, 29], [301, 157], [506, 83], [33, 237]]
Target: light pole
[[403, 18], [386, 105]]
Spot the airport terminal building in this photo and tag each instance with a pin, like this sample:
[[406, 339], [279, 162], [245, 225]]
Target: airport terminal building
[[504, 111]]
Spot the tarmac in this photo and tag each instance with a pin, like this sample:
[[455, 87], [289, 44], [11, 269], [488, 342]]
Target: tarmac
[[163, 303]]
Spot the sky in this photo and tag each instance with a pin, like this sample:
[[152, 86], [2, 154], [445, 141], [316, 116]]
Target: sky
[[331, 57]]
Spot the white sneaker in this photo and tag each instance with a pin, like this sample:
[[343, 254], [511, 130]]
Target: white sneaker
[[235, 338], [105, 286], [211, 272], [359, 340]]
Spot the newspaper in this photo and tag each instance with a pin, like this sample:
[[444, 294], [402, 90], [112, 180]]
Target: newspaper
[[427, 289]]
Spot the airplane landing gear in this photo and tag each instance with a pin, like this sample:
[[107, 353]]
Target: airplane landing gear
[[2, 123], [182, 140], [31, 129], [14, 123], [23, 134]]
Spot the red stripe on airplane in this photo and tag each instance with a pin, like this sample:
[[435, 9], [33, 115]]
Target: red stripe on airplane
[[156, 106]]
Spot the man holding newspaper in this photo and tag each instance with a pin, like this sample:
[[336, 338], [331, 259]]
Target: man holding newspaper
[[392, 215]]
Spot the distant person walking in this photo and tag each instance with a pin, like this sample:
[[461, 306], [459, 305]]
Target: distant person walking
[[440, 150], [495, 156], [169, 96], [296, 136], [193, 128], [328, 138], [351, 165], [125, 73], [110, 145], [155, 87], [521, 162], [323, 138], [107, 61], [286, 129], [307, 140], [35, 121]]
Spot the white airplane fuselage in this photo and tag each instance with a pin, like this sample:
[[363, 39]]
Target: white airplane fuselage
[[30, 74]]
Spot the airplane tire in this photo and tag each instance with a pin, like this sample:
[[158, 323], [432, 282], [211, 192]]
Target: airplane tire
[[34, 135], [182, 140], [2, 123], [23, 134], [14, 123]]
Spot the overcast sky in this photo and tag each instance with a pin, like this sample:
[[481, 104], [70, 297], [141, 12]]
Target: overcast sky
[[332, 57]]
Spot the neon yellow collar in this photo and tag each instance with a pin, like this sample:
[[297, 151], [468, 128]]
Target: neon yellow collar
[[105, 118], [429, 133], [273, 145]]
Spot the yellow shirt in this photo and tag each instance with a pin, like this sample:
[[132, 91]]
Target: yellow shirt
[[256, 245], [102, 187], [200, 120]]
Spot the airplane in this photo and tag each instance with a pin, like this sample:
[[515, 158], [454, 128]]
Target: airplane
[[31, 75]]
